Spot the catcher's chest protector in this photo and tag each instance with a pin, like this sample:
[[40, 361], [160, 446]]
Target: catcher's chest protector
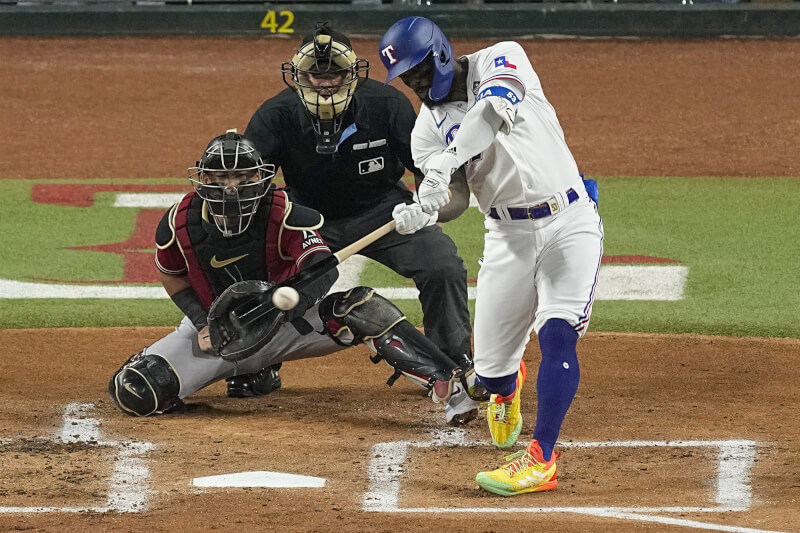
[[216, 262]]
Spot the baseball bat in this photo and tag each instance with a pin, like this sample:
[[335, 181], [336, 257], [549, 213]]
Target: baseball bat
[[246, 314], [314, 272]]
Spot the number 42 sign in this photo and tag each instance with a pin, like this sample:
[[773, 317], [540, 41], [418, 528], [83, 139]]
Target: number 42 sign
[[280, 22]]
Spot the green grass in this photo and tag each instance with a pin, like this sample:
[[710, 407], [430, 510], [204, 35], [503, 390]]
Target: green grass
[[738, 237]]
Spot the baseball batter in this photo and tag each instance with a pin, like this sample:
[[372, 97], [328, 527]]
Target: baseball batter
[[235, 230], [486, 113]]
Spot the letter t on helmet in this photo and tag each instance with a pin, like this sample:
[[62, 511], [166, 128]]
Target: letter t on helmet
[[408, 42]]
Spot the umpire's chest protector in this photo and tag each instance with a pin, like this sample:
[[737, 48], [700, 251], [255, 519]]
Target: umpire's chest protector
[[215, 262]]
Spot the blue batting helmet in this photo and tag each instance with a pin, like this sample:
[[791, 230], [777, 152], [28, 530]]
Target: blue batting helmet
[[408, 42]]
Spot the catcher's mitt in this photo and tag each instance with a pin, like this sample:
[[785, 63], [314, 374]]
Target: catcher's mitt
[[242, 320]]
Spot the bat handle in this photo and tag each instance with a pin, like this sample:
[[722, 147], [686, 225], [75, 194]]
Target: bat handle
[[364, 241]]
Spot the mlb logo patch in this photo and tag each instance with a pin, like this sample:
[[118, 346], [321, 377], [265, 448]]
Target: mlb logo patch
[[502, 62], [370, 165]]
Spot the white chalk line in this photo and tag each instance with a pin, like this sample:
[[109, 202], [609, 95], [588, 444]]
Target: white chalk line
[[128, 489], [735, 458], [616, 282]]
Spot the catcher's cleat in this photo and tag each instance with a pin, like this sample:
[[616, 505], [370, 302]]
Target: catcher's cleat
[[174, 405], [258, 384], [460, 409], [524, 471], [504, 416]]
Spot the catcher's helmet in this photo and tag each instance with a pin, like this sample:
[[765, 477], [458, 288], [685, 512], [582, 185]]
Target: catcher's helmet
[[325, 73], [408, 42], [232, 178]]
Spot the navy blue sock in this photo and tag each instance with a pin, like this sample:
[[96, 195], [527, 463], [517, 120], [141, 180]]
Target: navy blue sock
[[503, 386], [557, 381]]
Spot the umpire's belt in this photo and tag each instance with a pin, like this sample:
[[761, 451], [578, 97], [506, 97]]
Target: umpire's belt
[[545, 209]]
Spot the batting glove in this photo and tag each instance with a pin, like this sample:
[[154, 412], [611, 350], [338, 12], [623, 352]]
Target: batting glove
[[410, 218], [433, 192]]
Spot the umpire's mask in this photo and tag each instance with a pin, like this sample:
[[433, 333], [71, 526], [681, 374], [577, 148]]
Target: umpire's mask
[[325, 73], [232, 179]]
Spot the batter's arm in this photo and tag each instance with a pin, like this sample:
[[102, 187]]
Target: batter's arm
[[459, 195]]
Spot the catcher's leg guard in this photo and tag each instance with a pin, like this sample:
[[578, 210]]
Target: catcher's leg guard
[[361, 314], [145, 384]]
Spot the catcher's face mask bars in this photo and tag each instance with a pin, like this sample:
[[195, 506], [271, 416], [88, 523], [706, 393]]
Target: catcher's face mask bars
[[231, 199]]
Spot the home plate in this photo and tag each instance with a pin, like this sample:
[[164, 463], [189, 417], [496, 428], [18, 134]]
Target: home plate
[[277, 480]]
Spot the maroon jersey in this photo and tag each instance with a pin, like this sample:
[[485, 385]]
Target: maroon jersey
[[281, 237]]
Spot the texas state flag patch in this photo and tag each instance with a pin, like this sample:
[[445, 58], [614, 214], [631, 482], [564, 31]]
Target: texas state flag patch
[[503, 62]]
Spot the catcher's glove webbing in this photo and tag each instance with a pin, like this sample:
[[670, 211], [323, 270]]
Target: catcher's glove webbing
[[242, 320]]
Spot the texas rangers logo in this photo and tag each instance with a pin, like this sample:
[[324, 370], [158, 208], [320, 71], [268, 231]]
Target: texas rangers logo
[[387, 53], [503, 62]]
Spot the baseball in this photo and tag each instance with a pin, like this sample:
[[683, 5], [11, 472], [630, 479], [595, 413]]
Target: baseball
[[285, 298]]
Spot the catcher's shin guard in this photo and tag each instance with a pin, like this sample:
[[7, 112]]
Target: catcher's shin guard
[[146, 384], [362, 315]]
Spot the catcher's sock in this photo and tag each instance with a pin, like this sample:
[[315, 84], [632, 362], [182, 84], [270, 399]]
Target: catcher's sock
[[557, 381], [504, 386]]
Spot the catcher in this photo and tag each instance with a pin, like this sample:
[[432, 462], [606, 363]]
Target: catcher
[[222, 251]]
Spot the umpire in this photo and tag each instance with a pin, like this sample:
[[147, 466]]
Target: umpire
[[343, 144]]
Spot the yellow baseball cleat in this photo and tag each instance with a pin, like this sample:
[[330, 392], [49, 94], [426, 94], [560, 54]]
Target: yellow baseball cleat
[[524, 471], [504, 416]]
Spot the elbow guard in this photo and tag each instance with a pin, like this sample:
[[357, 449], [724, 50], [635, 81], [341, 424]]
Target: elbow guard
[[503, 102], [507, 112]]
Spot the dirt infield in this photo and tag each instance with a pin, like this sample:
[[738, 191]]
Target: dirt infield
[[667, 433], [334, 410]]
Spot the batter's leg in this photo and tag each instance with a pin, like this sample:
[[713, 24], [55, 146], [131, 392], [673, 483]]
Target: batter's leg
[[557, 381], [566, 280], [506, 299]]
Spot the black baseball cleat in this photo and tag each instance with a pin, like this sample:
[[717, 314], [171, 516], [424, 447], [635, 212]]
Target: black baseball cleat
[[258, 384]]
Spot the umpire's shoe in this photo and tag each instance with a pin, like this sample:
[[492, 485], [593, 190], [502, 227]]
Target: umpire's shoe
[[258, 384]]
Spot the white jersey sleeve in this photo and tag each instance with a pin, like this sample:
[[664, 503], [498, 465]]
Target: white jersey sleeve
[[425, 138], [496, 99], [503, 68]]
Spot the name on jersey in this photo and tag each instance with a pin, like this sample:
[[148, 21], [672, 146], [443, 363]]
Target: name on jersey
[[498, 91], [503, 62], [312, 241]]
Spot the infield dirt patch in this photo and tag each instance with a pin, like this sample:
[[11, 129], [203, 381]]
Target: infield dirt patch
[[333, 410]]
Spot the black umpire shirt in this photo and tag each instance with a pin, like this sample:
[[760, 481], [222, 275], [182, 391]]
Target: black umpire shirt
[[373, 152]]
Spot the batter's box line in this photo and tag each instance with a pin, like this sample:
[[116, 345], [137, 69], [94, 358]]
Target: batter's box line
[[128, 489], [735, 459]]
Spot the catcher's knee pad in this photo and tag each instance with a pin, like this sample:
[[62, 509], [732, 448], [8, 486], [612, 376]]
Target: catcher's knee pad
[[363, 315], [357, 315], [146, 384]]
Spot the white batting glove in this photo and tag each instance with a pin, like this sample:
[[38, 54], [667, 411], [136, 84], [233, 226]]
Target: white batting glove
[[410, 218], [433, 192]]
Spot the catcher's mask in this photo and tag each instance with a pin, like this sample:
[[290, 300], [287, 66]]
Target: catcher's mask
[[325, 73], [232, 179], [411, 41]]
